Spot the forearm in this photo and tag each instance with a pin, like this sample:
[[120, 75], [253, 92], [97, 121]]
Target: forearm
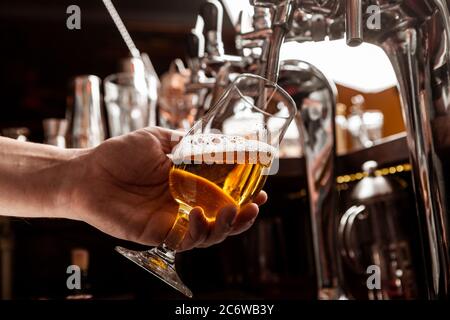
[[35, 179]]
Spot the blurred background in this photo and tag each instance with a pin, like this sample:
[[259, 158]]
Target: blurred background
[[43, 55]]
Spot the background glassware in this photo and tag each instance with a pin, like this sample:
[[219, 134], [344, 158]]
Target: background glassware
[[55, 131], [177, 107], [366, 127], [205, 183], [84, 114], [129, 102], [19, 133], [137, 67]]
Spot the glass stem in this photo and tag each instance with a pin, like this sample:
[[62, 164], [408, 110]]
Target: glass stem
[[167, 249]]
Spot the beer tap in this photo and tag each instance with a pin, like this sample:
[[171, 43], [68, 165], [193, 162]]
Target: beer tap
[[212, 14], [251, 37], [416, 37], [214, 65], [218, 69], [199, 84], [195, 55], [282, 15], [255, 33], [195, 52]]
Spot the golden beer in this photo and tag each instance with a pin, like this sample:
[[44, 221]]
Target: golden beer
[[218, 171]]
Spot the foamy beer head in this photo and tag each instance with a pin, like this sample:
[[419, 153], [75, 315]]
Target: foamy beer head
[[214, 170], [222, 149]]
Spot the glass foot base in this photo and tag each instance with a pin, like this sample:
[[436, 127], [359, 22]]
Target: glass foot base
[[153, 263]]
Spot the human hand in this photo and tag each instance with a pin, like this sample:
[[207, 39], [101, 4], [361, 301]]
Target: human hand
[[121, 187]]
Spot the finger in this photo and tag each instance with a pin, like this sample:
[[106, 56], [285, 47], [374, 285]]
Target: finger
[[222, 226], [167, 137], [245, 218], [198, 231], [261, 198]]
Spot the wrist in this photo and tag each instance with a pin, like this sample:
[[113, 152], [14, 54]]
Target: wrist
[[65, 182]]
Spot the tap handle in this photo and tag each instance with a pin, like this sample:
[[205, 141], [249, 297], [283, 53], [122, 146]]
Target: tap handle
[[212, 14], [195, 45]]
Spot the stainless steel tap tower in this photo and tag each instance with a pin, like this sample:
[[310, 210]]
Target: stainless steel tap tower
[[416, 37]]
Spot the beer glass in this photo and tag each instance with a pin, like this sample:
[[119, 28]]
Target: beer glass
[[130, 103], [224, 159]]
